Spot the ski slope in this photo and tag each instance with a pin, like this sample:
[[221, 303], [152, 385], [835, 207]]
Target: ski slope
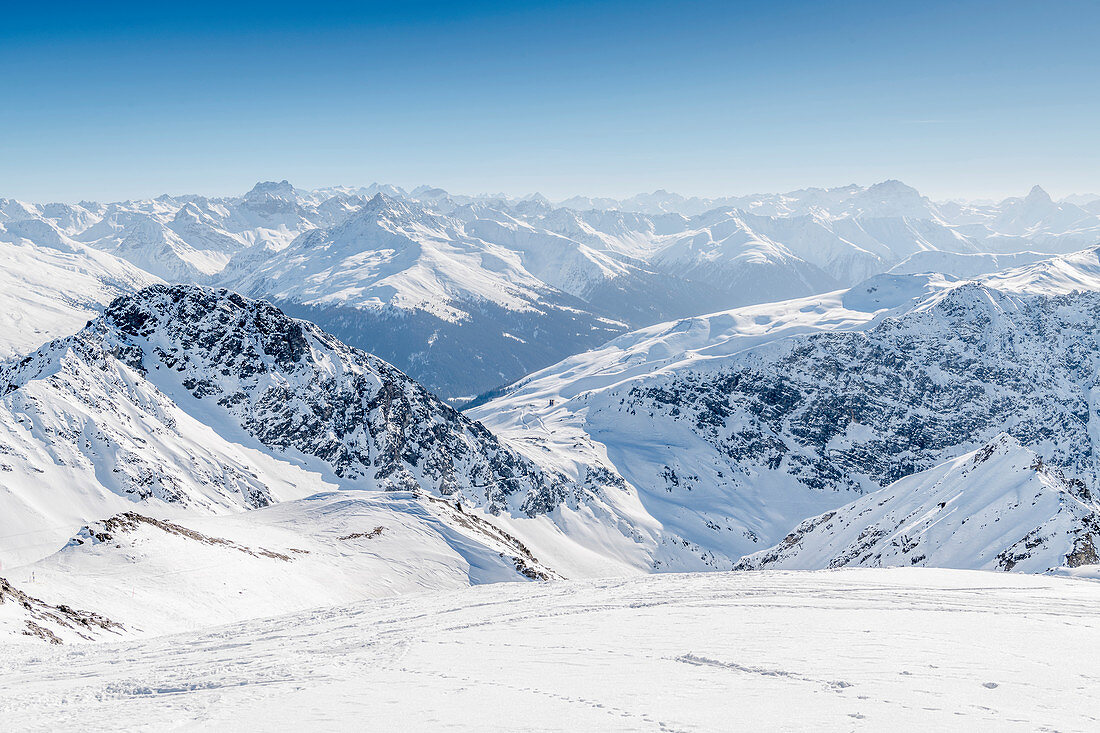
[[839, 650]]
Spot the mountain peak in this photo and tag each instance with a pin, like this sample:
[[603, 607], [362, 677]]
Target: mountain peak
[[381, 208], [379, 200], [189, 212], [156, 363], [293, 386], [892, 183], [1038, 195], [380, 205], [275, 189], [430, 193], [890, 198], [195, 317], [893, 187]]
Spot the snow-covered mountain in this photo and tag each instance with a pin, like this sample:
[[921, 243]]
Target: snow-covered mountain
[[195, 399], [1063, 275], [1038, 212], [194, 434], [731, 426], [995, 508], [393, 252], [467, 293], [424, 291], [158, 248]]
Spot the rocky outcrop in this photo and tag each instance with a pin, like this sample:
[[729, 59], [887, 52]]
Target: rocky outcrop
[[52, 624]]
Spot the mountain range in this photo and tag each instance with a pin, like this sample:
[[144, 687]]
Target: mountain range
[[468, 294], [260, 392]]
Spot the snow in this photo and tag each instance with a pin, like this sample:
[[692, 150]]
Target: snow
[[189, 398], [963, 265], [1056, 275], [394, 251], [81, 444], [841, 650], [646, 493], [683, 343]]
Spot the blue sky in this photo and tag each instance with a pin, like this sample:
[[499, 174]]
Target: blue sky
[[114, 100]]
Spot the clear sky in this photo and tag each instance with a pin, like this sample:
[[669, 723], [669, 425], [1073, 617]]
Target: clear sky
[[975, 99]]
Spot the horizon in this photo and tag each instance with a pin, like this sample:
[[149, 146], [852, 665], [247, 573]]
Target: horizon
[[557, 201]]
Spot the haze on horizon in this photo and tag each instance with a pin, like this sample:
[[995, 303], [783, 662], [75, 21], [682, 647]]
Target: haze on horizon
[[960, 100]]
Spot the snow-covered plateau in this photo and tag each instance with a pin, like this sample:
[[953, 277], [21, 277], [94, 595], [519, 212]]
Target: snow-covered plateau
[[870, 650]]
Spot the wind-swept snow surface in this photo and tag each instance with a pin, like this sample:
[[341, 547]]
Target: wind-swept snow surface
[[911, 649], [150, 574]]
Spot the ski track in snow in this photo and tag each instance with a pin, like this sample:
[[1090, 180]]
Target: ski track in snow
[[840, 650]]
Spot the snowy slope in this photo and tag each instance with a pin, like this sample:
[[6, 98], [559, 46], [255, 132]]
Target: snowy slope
[[963, 265], [1077, 271], [25, 617], [562, 263], [202, 232], [157, 248], [863, 650], [50, 285], [749, 267], [684, 342], [996, 508], [684, 503], [151, 574], [393, 251]]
